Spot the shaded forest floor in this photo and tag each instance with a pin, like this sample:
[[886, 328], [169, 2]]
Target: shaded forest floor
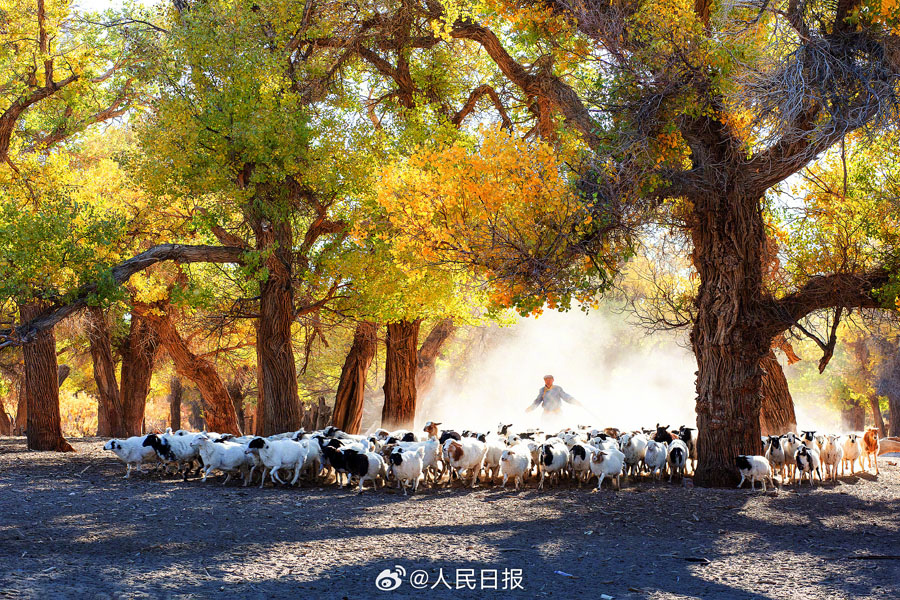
[[72, 527]]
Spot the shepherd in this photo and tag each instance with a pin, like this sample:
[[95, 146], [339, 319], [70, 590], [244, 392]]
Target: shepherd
[[551, 397]]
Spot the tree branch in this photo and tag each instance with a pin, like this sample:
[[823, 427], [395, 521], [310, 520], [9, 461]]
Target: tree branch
[[180, 253]]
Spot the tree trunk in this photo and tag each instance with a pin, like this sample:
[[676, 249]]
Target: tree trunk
[[348, 403], [218, 409], [428, 354], [176, 394], [236, 392], [401, 362], [6, 422], [196, 419], [876, 415], [894, 413], [110, 417], [137, 369], [776, 415], [21, 408], [279, 407], [728, 336], [43, 429], [853, 418]]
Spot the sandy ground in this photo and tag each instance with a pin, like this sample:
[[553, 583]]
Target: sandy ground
[[72, 527]]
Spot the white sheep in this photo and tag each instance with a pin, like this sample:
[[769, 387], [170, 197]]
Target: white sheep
[[277, 454], [634, 447], [515, 462], [852, 452], [465, 454], [832, 455], [132, 452], [655, 458], [754, 468], [607, 463], [493, 450], [791, 443], [406, 467], [228, 457]]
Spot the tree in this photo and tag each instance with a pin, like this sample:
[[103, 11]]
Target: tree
[[60, 75], [709, 142], [401, 361], [176, 395], [428, 353], [219, 412], [267, 158], [350, 395], [110, 413]]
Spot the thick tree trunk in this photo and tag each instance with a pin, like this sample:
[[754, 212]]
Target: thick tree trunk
[[728, 337], [137, 369], [218, 408], [853, 418], [279, 407], [776, 414], [401, 362], [110, 417], [44, 429], [876, 415], [348, 403], [428, 354]]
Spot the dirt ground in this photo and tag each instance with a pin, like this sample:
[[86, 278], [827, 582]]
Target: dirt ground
[[72, 527]]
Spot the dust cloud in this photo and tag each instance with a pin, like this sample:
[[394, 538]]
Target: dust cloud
[[625, 378]]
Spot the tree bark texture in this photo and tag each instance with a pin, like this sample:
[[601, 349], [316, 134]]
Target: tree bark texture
[[110, 414], [138, 357], [428, 354], [218, 408], [44, 429], [236, 387], [279, 407], [728, 336], [894, 413], [776, 415], [6, 422], [348, 403], [176, 395], [21, 421], [401, 362]]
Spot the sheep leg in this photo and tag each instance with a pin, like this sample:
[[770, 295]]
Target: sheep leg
[[742, 481], [296, 474], [274, 474], [600, 480]]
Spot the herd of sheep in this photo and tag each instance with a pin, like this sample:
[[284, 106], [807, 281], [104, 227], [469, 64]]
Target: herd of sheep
[[437, 457]]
